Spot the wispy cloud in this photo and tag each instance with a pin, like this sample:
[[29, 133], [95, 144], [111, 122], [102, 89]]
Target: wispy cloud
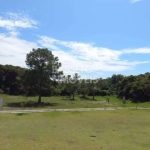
[[13, 50], [135, 1], [143, 50], [13, 21], [86, 57]]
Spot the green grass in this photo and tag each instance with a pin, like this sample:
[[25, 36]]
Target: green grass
[[21, 102], [98, 130], [15, 102]]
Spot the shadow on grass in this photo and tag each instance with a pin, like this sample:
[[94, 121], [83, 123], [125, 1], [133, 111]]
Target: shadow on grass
[[21, 114], [68, 98], [30, 104], [87, 98]]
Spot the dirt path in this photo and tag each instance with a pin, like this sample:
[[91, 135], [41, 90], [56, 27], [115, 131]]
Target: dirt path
[[64, 110]]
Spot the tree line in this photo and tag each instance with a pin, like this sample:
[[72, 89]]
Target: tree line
[[43, 78]]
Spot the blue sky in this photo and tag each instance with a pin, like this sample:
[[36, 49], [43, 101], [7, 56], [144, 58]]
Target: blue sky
[[96, 38]]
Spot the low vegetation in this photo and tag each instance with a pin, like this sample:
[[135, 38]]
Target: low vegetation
[[53, 102], [115, 130]]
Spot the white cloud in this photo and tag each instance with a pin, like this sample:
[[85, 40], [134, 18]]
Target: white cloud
[[12, 21], [13, 50], [48, 42], [144, 50], [86, 57], [83, 58], [135, 1]]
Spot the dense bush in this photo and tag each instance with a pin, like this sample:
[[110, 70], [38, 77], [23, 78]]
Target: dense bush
[[135, 88]]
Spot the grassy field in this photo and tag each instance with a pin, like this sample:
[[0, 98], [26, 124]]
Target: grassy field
[[98, 130], [21, 102]]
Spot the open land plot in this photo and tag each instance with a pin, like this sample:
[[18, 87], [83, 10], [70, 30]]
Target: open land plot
[[115, 130]]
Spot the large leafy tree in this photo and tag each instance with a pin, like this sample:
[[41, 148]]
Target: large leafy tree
[[44, 67]]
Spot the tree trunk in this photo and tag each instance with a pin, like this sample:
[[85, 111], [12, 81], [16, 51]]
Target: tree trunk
[[73, 96], [93, 94], [93, 90], [39, 100], [93, 97]]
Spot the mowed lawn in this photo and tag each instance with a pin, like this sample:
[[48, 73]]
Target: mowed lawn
[[94, 130]]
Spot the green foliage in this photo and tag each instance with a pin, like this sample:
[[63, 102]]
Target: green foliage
[[11, 79], [1, 91], [43, 68], [83, 89], [71, 85], [136, 88]]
